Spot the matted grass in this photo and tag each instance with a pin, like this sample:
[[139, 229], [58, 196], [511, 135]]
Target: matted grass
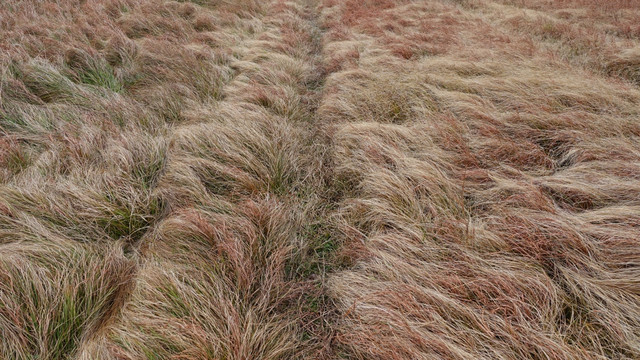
[[319, 179]]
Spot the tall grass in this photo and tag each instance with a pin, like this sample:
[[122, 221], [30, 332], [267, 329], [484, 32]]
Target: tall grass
[[476, 221], [319, 179], [155, 190]]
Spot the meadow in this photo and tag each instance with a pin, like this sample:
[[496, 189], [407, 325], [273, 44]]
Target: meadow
[[319, 179]]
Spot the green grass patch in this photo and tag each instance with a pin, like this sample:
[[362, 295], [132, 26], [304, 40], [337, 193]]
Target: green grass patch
[[102, 76]]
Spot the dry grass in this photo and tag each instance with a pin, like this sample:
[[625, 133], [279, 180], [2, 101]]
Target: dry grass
[[159, 189], [319, 179], [602, 36], [490, 193]]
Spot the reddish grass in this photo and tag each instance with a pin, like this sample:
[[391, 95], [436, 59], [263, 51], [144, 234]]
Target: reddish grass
[[470, 212], [294, 179]]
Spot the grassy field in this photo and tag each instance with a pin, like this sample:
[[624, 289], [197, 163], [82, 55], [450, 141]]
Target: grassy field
[[319, 179]]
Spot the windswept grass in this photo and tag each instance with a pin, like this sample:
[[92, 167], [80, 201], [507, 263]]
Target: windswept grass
[[56, 296], [151, 208], [319, 179], [467, 220]]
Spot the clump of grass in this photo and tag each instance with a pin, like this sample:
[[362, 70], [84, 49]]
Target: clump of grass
[[380, 99], [16, 158], [123, 222], [49, 84], [20, 121], [626, 66], [239, 264], [54, 297]]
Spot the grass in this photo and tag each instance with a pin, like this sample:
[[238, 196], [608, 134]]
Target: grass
[[319, 179], [442, 271]]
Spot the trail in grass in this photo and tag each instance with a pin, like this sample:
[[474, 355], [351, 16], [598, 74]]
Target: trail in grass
[[164, 191], [235, 268]]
